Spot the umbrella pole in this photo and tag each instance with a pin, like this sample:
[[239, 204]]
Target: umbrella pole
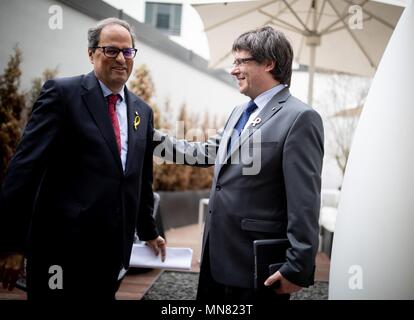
[[311, 71], [312, 40]]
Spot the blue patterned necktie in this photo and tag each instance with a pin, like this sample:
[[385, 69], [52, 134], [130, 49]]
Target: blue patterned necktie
[[251, 106]]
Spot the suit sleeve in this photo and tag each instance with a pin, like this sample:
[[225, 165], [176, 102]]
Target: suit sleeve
[[180, 151], [146, 228], [26, 168], [302, 166]]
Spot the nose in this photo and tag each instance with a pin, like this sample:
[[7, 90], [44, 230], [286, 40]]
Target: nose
[[120, 57], [234, 70]]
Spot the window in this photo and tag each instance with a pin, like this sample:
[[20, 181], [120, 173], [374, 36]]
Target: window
[[164, 16]]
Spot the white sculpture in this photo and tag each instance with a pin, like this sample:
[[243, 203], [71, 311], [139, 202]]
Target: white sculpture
[[373, 247]]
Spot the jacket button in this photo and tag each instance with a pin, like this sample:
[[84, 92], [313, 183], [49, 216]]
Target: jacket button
[[218, 187]]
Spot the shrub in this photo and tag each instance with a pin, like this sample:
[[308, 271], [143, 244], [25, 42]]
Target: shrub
[[169, 176], [12, 105]]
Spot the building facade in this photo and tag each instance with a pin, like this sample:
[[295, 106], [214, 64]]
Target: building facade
[[52, 34]]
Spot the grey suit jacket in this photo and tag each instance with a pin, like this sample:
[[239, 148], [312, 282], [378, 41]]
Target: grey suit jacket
[[267, 186]]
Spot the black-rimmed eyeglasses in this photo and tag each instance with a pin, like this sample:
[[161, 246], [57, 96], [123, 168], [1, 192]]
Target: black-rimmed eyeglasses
[[240, 61], [113, 52]]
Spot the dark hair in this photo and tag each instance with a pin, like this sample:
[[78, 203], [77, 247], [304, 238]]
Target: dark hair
[[268, 44], [95, 32]]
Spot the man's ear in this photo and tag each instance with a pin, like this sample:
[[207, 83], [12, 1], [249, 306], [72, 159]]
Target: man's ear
[[269, 65], [90, 54]]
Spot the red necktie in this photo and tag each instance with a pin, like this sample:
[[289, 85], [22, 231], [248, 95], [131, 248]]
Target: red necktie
[[112, 99]]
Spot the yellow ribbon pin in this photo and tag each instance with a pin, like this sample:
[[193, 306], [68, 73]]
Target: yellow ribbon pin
[[137, 120], [256, 121]]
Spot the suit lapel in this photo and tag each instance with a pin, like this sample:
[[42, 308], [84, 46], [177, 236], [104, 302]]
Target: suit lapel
[[269, 110], [222, 152], [97, 106], [134, 115]]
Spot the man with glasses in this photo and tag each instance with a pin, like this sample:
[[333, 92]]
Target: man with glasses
[[80, 183], [281, 138]]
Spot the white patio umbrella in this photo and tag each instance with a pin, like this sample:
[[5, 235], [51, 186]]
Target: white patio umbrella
[[338, 35]]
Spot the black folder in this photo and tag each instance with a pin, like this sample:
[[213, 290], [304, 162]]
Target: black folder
[[269, 256]]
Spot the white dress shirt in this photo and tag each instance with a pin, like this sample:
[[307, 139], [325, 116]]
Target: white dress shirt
[[261, 100]]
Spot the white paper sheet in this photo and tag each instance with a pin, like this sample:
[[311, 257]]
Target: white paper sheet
[[177, 258]]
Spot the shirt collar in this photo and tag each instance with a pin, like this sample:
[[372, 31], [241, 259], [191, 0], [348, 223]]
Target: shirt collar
[[262, 99], [106, 91]]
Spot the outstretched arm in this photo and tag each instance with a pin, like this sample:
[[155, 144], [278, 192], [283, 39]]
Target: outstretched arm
[[180, 151]]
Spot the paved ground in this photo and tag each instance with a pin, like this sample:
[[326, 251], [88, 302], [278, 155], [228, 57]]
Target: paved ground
[[135, 285], [183, 286]]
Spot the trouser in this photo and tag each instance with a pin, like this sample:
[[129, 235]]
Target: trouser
[[80, 280]]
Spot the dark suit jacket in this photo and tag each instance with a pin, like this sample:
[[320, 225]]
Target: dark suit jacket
[[65, 199], [272, 192]]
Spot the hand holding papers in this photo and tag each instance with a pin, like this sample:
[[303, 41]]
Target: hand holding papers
[[158, 245], [177, 258]]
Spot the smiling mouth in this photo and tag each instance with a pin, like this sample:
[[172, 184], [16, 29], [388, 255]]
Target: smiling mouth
[[240, 80], [119, 69]]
